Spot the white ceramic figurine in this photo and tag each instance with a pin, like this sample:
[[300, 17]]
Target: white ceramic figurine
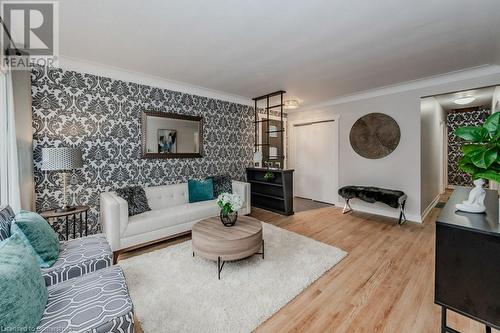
[[475, 203]]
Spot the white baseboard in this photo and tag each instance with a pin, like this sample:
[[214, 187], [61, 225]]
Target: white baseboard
[[428, 209], [380, 211]]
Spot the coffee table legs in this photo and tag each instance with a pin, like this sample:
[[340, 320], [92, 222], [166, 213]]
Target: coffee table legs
[[262, 250], [219, 266], [219, 261]]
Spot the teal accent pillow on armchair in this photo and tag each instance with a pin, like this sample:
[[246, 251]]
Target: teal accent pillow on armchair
[[38, 235], [200, 190], [24, 295]]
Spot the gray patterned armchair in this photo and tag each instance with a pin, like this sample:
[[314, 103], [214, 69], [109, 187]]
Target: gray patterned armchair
[[85, 293], [78, 257], [98, 302]]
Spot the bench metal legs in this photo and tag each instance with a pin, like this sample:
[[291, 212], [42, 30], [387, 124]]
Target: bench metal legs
[[347, 207], [402, 216]]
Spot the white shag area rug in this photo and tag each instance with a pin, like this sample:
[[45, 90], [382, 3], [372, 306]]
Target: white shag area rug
[[174, 292]]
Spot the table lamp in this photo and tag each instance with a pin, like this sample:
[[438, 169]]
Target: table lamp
[[63, 159]]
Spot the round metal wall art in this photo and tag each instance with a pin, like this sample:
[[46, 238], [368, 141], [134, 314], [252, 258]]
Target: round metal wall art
[[375, 135]]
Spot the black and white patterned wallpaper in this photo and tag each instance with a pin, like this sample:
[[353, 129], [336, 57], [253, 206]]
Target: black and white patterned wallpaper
[[453, 121], [102, 116]]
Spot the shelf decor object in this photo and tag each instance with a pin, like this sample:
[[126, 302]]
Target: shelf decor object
[[269, 176], [64, 160], [257, 158], [375, 135]]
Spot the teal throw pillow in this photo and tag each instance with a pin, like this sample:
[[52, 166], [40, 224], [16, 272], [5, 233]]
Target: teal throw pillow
[[38, 235], [24, 295], [200, 190]]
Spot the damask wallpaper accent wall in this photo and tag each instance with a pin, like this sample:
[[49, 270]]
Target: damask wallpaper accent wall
[[102, 116], [453, 121]]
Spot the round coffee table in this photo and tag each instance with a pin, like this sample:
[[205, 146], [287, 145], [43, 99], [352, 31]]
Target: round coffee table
[[212, 240]]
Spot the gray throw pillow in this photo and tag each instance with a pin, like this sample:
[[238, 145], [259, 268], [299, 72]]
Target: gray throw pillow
[[6, 217], [136, 199], [222, 184]]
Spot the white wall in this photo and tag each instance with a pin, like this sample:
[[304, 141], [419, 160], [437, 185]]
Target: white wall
[[401, 169], [431, 141], [388, 172]]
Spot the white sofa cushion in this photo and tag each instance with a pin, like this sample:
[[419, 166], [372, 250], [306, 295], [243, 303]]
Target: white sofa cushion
[[199, 210], [166, 196], [167, 217]]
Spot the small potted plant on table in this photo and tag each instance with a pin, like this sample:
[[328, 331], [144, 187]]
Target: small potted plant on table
[[269, 176], [229, 204]]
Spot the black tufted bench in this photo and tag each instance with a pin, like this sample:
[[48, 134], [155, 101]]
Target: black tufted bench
[[392, 198]]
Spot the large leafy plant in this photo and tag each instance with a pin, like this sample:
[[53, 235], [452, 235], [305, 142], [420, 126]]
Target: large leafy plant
[[481, 157]]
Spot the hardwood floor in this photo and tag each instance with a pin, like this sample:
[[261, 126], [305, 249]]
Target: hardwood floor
[[385, 284], [301, 204]]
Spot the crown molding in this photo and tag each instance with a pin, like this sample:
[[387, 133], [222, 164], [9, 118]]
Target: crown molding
[[117, 73], [468, 73]]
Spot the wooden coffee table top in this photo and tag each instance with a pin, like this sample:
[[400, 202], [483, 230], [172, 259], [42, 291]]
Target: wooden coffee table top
[[212, 240], [212, 228]]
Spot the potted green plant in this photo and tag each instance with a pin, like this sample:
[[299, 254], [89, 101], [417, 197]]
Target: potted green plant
[[480, 157], [229, 204], [269, 176]]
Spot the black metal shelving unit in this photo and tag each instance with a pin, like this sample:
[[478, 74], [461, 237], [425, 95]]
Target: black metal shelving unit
[[275, 195], [265, 144]]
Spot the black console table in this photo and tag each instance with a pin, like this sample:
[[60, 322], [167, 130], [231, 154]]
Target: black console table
[[275, 195], [467, 277]]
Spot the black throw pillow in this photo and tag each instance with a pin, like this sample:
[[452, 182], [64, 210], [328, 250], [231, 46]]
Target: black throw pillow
[[136, 199], [222, 184]]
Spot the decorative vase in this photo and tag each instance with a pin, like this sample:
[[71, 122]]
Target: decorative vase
[[475, 202], [228, 219]]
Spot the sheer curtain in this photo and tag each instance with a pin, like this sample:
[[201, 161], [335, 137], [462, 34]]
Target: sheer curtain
[[9, 172]]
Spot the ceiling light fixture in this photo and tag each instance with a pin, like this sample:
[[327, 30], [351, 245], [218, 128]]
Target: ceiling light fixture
[[464, 100], [291, 104]]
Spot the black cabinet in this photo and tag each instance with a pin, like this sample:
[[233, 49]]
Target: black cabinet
[[467, 277], [275, 195]]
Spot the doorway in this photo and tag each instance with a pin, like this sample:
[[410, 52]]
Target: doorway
[[441, 150], [315, 160]]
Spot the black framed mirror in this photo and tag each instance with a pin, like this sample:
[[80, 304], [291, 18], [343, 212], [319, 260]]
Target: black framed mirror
[[171, 135]]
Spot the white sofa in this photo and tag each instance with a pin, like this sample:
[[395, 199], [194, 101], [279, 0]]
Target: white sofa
[[171, 214]]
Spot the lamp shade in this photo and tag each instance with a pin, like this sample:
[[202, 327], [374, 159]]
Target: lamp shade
[[63, 158]]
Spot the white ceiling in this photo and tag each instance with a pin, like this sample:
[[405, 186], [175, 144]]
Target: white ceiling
[[484, 97], [316, 50]]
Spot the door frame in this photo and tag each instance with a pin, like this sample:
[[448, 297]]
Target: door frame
[[335, 147], [444, 155]]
